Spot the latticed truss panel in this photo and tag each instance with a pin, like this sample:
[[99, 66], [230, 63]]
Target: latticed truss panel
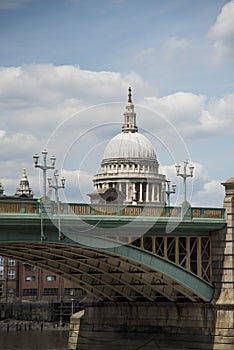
[[192, 253]]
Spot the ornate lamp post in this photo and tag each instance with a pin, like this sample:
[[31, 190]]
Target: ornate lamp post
[[169, 190], [185, 175], [44, 167], [56, 187]]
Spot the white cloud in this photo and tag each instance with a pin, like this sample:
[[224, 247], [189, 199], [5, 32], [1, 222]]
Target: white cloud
[[16, 145], [222, 34], [180, 106], [196, 115], [46, 84], [212, 194], [37, 98]]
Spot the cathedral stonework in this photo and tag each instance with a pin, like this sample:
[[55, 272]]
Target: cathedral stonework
[[129, 169]]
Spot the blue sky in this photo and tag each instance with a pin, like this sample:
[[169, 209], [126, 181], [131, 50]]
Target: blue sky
[[59, 57]]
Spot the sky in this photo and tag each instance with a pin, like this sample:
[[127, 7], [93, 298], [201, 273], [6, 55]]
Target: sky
[[65, 69]]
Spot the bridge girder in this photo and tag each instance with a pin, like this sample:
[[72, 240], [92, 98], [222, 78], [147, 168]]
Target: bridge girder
[[112, 272]]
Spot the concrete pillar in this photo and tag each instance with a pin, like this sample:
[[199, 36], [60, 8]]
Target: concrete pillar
[[74, 330]]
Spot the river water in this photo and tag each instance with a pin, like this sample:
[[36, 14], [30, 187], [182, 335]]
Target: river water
[[34, 340], [58, 340]]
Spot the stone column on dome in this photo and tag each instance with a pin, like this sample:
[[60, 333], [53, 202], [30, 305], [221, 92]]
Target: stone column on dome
[[130, 191], [157, 193], [147, 192], [134, 194], [152, 193], [160, 193], [141, 193], [127, 190]]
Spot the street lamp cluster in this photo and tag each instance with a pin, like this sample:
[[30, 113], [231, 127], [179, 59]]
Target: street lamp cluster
[[172, 189], [44, 167], [185, 175], [56, 187], [169, 190]]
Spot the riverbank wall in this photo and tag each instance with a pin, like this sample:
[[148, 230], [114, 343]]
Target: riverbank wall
[[28, 311], [36, 316], [9, 325]]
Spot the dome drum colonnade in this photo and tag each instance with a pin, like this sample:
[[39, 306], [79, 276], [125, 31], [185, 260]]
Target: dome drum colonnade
[[129, 169]]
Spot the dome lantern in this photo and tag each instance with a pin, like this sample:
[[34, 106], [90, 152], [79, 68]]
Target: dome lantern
[[129, 115]]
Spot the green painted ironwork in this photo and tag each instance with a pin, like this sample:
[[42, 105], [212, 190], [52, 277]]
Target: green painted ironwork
[[21, 221], [174, 272]]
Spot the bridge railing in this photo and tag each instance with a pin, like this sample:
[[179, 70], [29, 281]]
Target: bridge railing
[[18, 207], [139, 210], [33, 207]]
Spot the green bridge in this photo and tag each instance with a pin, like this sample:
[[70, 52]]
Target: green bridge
[[116, 253]]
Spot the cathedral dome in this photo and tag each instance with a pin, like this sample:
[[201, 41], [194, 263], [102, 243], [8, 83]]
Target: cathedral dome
[[129, 145], [129, 169]]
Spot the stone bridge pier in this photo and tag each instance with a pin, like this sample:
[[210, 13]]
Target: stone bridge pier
[[166, 324], [223, 275]]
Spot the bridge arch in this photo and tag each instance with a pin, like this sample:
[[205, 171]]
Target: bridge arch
[[111, 272]]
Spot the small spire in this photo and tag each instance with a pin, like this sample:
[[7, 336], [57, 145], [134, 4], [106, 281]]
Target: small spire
[[129, 95], [24, 172]]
